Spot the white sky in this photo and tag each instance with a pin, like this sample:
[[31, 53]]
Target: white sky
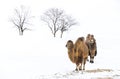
[[100, 17]]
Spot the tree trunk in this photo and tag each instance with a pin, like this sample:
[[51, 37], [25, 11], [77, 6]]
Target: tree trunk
[[61, 34], [20, 31], [54, 34]]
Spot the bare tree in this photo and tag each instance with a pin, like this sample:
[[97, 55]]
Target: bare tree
[[51, 17], [21, 19], [65, 23], [57, 20]]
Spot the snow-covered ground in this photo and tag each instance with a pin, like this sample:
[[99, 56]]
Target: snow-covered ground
[[38, 55], [52, 62]]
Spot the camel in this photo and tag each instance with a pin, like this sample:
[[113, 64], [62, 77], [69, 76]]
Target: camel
[[78, 53], [92, 46]]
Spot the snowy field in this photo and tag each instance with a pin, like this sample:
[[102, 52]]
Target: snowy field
[[52, 62], [38, 55]]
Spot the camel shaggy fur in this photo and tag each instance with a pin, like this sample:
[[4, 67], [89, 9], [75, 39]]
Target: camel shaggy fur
[[92, 46], [71, 53], [78, 52], [81, 52]]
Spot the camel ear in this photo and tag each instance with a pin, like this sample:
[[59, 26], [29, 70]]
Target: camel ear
[[92, 36]]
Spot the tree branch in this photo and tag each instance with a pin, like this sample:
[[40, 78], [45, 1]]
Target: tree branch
[[21, 18]]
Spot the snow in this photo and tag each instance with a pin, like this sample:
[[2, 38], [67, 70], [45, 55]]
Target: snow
[[38, 55]]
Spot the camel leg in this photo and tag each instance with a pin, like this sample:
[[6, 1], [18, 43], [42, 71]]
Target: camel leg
[[84, 62], [91, 59], [78, 67]]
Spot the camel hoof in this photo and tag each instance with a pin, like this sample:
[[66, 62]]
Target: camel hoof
[[91, 61], [80, 69]]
